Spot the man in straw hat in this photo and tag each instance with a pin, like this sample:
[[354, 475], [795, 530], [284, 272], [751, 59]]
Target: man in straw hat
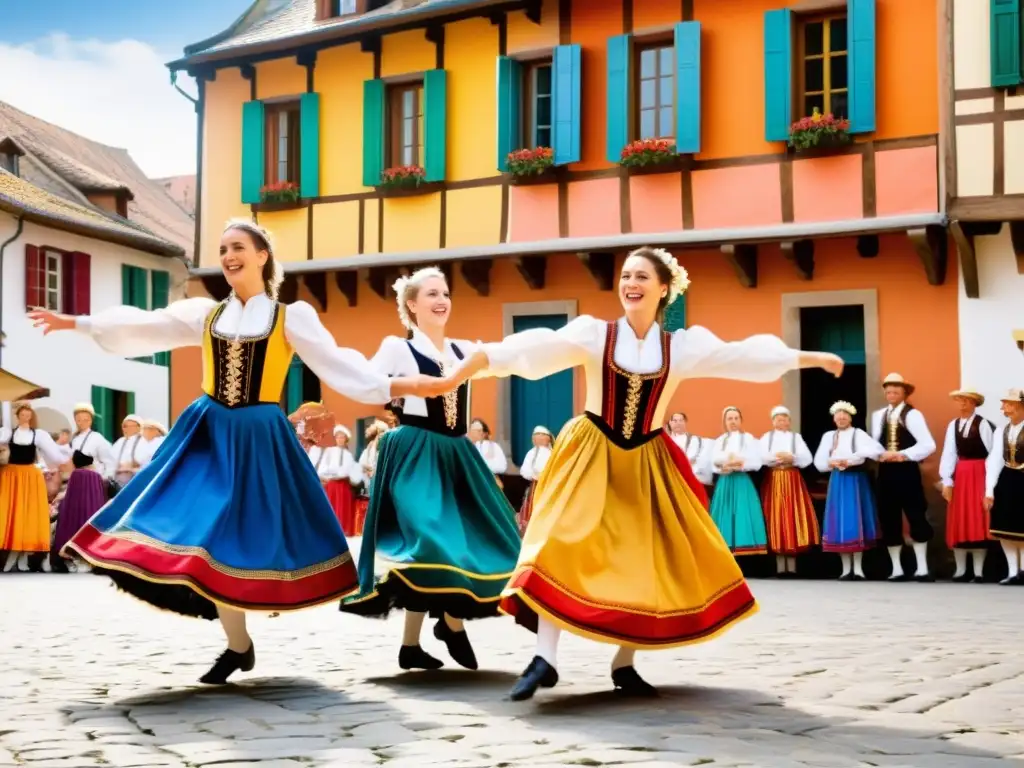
[[1004, 485], [903, 432], [962, 470]]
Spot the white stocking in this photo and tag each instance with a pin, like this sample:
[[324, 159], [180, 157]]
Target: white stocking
[[921, 555], [847, 563], [547, 641], [960, 555], [858, 564], [1012, 558], [791, 565], [23, 562], [897, 566], [623, 658], [12, 558], [978, 556], [413, 625], [780, 563]]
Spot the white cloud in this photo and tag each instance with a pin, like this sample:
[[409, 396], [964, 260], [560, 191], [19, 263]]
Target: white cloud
[[116, 93]]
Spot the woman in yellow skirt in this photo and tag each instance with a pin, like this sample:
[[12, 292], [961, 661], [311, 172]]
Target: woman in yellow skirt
[[620, 547], [24, 505]]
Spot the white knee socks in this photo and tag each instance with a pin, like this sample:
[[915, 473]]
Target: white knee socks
[[413, 625], [921, 555], [979, 561], [1012, 552], [780, 563], [960, 555], [897, 566], [858, 564], [847, 563], [547, 641]]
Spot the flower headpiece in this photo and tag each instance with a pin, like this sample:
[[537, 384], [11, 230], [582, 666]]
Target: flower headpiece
[[401, 285], [842, 405], [680, 277]]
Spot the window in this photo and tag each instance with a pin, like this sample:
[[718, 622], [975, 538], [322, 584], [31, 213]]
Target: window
[[655, 92], [52, 263], [111, 406], [537, 83], [346, 7], [146, 289], [282, 143], [9, 162], [822, 66], [57, 280], [405, 125]]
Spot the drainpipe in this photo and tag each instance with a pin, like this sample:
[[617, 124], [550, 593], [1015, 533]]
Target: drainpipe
[[3, 247]]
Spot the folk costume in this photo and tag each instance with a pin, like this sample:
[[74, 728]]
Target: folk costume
[[24, 507], [368, 467], [341, 475], [533, 464], [229, 511], [1004, 485], [788, 509], [902, 429], [699, 451], [494, 458], [618, 501], [735, 505], [851, 518], [965, 449], [153, 435], [127, 450]]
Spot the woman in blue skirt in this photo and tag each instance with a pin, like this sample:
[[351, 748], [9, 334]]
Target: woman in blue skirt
[[851, 520], [735, 505], [229, 516], [438, 525]]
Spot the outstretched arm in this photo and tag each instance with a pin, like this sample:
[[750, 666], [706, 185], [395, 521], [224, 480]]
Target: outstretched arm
[[698, 353]]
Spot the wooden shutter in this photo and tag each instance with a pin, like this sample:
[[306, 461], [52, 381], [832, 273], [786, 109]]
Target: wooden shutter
[[1005, 41], [103, 404], [688, 87], [253, 151], [373, 131], [129, 400], [309, 145], [160, 287], [565, 104], [435, 120], [778, 74], [861, 44], [35, 277], [675, 315], [620, 52], [76, 282], [510, 99]]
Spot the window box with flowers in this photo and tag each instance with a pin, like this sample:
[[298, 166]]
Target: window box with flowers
[[651, 156], [406, 181], [280, 196], [533, 166], [819, 134]]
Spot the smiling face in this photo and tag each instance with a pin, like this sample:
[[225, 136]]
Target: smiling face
[[641, 289], [677, 424], [895, 394], [130, 428], [83, 420], [842, 419], [733, 421], [241, 260], [782, 422], [432, 303]]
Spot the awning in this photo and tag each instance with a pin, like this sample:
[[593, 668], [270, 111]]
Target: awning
[[16, 388]]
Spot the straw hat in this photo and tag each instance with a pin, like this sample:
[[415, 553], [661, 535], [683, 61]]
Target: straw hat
[[969, 394], [896, 380], [844, 406], [1014, 395]]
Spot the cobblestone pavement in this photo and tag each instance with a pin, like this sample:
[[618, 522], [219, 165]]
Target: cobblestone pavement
[[828, 674]]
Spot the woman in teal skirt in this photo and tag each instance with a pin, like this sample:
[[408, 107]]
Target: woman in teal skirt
[[735, 505], [440, 536]]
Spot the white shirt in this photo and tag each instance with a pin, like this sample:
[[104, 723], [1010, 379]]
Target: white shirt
[[785, 442], [739, 445], [132, 332], [924, 443], [95, 445], [696, 353], [996, 462], [699, 451], [50, 452], [147, 449], [534, 462], [838, 444], [126, 451], [494, 457], [339, 464], [947, 463], [315, 454]]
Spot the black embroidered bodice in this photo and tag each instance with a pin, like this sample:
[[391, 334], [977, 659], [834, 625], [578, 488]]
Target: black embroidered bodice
[[1013, 453], [82, 460], [248, 370], [971, 446], [22, 455], [629, 400], [447, 414]]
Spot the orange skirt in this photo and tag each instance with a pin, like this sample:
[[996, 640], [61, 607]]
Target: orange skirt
[[789, 512], [24, 509]]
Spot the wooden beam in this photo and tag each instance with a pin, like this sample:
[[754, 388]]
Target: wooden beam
[[477, 273], [289, 290], [1017, 239], [867, 246], [217, 286], [930, 244], [533, 8], [377, 279], [316, 284], [963, 236], [348, 284], [801, 253], [533, 270], [996, 208], [743, 258], [370, 44], [601, 267]]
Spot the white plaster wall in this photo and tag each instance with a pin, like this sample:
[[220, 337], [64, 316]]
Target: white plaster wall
[[67, 363], [989, 359], [971, 63]]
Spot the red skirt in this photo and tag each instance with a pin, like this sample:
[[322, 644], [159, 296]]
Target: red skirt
[[789, 512], [343, 501], [526, 507], [362, 504], [966, 519]]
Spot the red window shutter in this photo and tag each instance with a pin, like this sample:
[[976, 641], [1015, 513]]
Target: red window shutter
[[34, 277], [80, 282]]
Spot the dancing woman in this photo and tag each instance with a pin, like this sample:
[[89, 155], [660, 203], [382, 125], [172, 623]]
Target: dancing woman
[[618, 503], [436, 517], [229, 515]]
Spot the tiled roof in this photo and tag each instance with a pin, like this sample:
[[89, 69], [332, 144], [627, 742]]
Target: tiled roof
[[18, 196], [65, 164]]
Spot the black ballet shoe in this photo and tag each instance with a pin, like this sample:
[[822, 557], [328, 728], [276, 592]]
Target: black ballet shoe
[[924, 578], [859, 577], [627, 681], [539, 674], [414, 657], [227, 664], [962, 578], [979, 580], [458, 644]]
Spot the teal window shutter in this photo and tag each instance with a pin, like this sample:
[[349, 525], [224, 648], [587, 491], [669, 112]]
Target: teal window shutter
[[293, 396], [620, 50], [253, 151], [126, 285], [861, 46], [129, 398], [778, 74], [373, 131], [688, 87], [510, 99], [1005, 34], [140, 288], [435, 128], [566, 102], [309, 145], [675, 315], [103, 404], [160, 287]]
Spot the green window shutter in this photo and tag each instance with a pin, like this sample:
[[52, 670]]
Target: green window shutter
[[253, 151], [126, 285], [1005, 34], [374, 100], [103, 404], [160, 291], [620, 51], [130, 402], [675, 315], [778, 74], [565, 103], [140, 288], [688, 87], [861, 46], [309, 146], [510, 133], [293, 396], [435, 111]]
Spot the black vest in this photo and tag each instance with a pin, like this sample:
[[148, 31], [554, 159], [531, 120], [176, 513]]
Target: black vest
[[22, 455], [971, 446], [447, 414], [896, 437], [79, 459]]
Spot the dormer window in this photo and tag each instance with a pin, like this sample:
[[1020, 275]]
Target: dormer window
[[329, 9], [9, 162], [345, 7]]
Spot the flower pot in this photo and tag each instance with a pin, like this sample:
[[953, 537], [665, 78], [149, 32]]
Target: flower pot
[[279, 205], [424, 188], [547, 176], [829, 144], [673, 164]]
